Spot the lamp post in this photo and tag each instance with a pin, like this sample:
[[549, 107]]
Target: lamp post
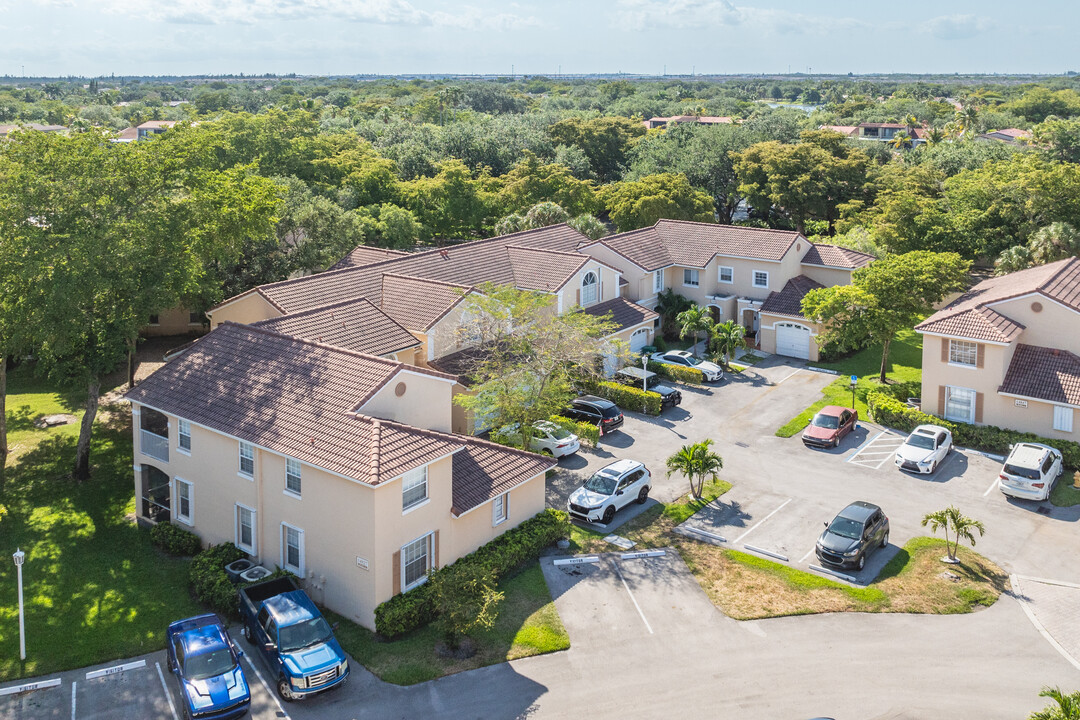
[[20, 558], [644, 376]]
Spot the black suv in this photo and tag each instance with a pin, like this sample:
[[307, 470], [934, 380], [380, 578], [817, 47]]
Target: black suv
[[858, 530], [595, 411], [635, 376]]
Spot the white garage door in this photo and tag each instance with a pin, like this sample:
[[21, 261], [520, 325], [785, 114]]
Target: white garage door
[[793, 340], [639, 340]]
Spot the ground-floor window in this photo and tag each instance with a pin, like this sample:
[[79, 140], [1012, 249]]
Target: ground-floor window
[[959, 404], [184, 492], [415, 561], [155, 494], [500, 509], [292, 549], [245, 529], [1063, 418]]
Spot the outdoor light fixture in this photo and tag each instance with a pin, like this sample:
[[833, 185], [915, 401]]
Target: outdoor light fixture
[[20, 558]]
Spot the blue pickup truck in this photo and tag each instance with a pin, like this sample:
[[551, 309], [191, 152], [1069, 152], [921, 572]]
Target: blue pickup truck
[[206, 664], [293, 638]]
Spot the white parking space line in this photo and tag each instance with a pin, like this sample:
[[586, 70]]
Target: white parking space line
[[868, 444], [168, 695], [633, 599], [992, 487], [271, 693], [808, 554], [739, 539], [73, 684], [786, 377]]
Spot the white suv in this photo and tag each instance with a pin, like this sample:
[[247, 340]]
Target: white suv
[[1030, 471], [609, 490]]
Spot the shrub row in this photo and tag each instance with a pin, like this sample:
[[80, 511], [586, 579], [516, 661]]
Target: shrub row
[[587, 433], [175, 540], [678, 373], [210, 583], [890, 411], [501, 557], [626, 397]]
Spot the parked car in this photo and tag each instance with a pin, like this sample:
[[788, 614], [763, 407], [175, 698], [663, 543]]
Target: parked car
[[548, 439], [206, 663], [293, 638], [650, 381], [925, 448], [1030, 471], [595, 411], [609, 490], [857, 531], [829, 426], [710, 370]]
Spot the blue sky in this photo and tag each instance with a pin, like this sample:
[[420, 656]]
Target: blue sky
[[151, 37]]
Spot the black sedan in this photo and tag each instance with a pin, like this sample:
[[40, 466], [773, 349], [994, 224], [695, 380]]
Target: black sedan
[[857, 531], [595, 411]]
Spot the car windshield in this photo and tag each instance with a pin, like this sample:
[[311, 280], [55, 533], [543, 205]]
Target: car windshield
[[691, 360], [1023, 472], [301, 635], [208, 665], [603, 484], [920, 441], [829, 422], [846, 527]]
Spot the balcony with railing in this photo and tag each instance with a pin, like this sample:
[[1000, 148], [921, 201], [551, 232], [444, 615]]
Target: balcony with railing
[[154, 435]]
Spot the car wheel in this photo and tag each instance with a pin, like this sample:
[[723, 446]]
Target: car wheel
[[609, 514], [862, 562], [284, 690], [933, 467], [247, 635], [885, 539], [643, 495]]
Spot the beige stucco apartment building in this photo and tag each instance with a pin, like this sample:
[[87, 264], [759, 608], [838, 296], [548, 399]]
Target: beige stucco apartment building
[[1007, 353], [336, 465]]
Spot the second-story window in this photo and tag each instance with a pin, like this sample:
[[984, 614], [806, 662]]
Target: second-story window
[[292, 476], [725, 274], [414, 488], [962, 352], [247, 459], [589, 285], [183, 435], [690, 277], [658, 281], [761, 279]]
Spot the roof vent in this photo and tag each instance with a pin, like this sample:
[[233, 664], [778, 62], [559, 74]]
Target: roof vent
[[1055, 352], [1036, 307], [445, 254], [400, 389]]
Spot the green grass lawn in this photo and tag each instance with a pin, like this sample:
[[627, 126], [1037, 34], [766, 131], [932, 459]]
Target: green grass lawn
[[95, 589], [1064, 494], [904, 366], [527, 624]]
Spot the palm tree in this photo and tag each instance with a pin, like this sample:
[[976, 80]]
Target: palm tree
[[669, 304], [933, 136], [727, 338], [901, 141], [693, 320], [951, 519], [967, 118], [1068, 706], [696, 461], [1017, 257], [1056, 241]]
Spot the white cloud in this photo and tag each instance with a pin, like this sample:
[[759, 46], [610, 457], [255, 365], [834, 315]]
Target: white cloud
[[648, 14], [955, 27]]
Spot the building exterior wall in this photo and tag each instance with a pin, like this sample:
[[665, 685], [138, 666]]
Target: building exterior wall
[[608, 281], [477, 527], [414, 399], [1044, 327], [640, 282], [174, 321], [248, 309], [827, 276]]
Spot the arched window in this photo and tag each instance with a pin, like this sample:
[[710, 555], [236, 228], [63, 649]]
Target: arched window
[[588, 288]]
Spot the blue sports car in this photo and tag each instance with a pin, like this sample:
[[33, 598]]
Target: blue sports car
[[207, 667]]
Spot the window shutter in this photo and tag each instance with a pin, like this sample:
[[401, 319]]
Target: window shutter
[[397, 572], [579, 296], [980, 355], [506, 506], [944, 350], [978, 406], [941, 400], [435, 551]]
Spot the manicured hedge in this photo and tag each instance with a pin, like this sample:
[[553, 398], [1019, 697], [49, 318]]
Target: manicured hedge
[[587, 433], [502, 556], [678, 373], [889, 411], [210, 583], [626, 397], [175, 540]]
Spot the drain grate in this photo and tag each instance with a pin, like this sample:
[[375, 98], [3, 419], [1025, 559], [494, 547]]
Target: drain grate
[[742, 444], [1043, 510]]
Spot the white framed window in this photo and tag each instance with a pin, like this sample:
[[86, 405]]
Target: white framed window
[[658, 281], [292, 549], [690, 277], [183, 435], [245, 529], [247, 459], [1063, 418], [589, 284], [962, 352], [959, 404], [725, 274], [292, 476], [500, 509], [185, 493], [761, 279], [414, 488], [415, 562]]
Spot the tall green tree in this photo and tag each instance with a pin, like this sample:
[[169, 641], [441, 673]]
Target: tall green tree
[[951, 520], [454, 203], [532, 181], [640, 203], [888, 295], [727, 338], [696, 462], [694, 320], [109, 234], [606, 141]]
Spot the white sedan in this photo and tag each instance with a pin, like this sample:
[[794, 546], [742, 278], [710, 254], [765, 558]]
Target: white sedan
[[710, 370], [609, 490], [550, 439], [925, 448]]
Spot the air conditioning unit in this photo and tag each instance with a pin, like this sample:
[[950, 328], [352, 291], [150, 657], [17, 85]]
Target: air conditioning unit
[[236, 568], [255, 574]]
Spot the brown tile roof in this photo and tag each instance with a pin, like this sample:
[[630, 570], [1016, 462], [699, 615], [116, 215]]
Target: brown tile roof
[[842, 129], [366, 255], [836, 256], [128, 134], [788, 301], [624, 314], [353, 325], [693, 244], [294, 397], [971, 315], [1044, 373], [542, 269], [419, 303], [154, 124]]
